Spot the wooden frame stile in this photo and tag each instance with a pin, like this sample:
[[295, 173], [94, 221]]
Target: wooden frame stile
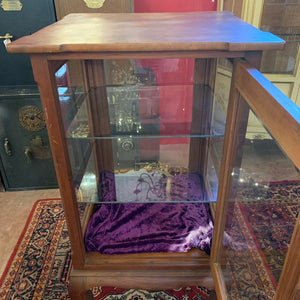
[[249, 84], [93, 78], [204, 75], [228, 157], [44, 75], [98, 112], [99, 124]]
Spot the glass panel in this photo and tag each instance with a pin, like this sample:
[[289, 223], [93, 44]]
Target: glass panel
[[134, 178], [135, 111], [282, 19], [263, 206], [221, 98], [70, 93], [84, 171], [219, 112], [138, 132]]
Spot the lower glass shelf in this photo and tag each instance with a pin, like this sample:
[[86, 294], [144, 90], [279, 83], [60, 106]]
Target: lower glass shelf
[[162, 176], [142, 186]]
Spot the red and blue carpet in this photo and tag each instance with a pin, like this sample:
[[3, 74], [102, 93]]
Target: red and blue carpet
[[40, 264]]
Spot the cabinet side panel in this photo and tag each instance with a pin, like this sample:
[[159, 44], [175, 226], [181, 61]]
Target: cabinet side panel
[[44, 74]]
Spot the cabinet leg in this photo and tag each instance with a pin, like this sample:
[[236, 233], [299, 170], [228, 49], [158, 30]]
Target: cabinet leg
[[78, 290]]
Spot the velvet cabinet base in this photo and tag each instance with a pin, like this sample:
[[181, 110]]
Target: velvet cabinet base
[[128, 137]]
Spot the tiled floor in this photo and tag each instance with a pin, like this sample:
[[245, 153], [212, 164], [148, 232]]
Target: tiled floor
[[15, 208]]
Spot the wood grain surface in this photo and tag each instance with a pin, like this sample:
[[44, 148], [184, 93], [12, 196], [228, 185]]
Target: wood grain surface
[[147, 32]]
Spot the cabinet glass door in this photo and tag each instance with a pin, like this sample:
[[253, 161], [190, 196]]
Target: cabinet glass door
[[261, 200], [263, 207]]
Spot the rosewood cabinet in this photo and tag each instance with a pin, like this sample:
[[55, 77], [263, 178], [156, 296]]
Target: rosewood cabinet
[[114, 123]]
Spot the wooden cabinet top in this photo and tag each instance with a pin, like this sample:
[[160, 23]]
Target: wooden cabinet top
[[95, 32]]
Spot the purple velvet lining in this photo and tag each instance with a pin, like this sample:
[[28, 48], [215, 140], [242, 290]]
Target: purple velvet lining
[[122, 228]]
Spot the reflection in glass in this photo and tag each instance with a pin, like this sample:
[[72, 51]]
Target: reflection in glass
[[137, 130], [156, 179], [219, 112], [282, 19], [138, 113], [264, 202]]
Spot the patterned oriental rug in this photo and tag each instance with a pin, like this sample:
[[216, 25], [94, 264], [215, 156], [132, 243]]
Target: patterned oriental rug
[[40, 264], [263, 222]]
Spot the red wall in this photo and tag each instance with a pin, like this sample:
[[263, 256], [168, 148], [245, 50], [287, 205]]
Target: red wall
[[174, 5], [175, 103]]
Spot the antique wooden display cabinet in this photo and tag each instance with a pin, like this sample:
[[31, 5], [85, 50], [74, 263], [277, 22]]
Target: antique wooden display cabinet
[[116, 145]]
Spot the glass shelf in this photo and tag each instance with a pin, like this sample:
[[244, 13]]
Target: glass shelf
[[141, 175], [135, 112]]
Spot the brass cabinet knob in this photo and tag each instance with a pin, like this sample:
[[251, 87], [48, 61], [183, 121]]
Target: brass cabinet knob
[[6, 36], [28, 153], [7, 147]]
